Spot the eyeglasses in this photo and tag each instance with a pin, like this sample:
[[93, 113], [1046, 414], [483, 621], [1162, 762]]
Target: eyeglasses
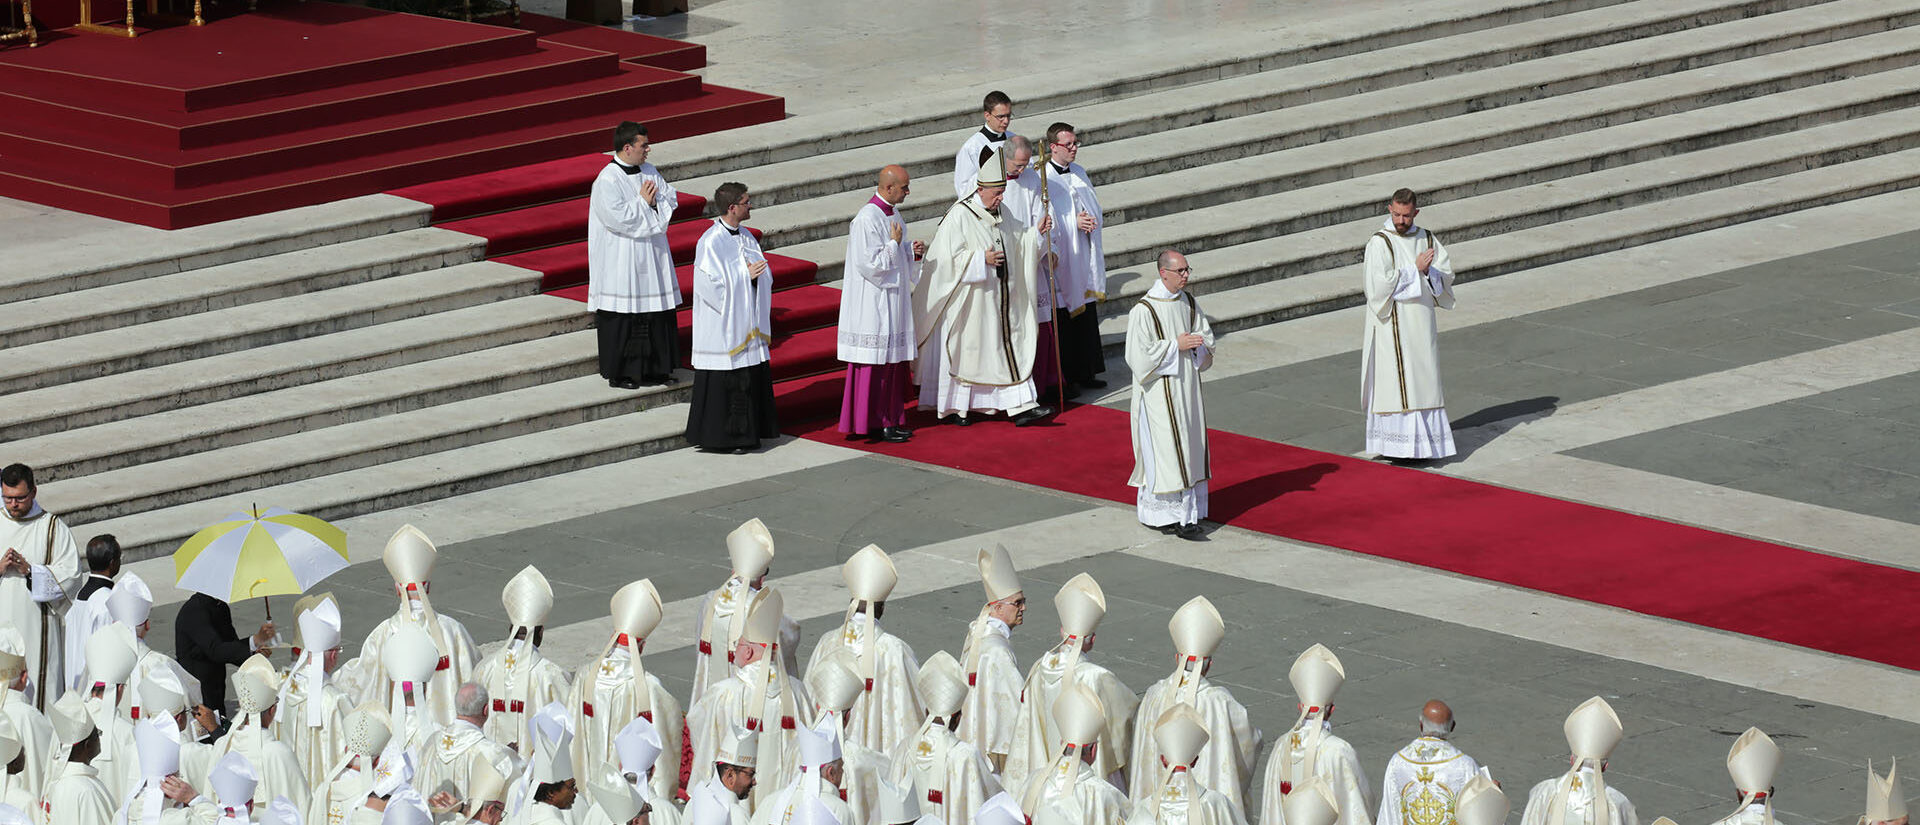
[[1185, 270], [1073, 145]]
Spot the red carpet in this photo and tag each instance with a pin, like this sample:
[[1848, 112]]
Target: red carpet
[[1575, 550]]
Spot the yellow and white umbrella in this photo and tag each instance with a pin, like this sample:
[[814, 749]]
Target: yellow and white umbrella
[[271, 552]]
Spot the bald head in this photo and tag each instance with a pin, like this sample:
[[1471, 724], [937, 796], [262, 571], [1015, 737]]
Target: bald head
[[1436, 719], [893, 184], [1174, 271]]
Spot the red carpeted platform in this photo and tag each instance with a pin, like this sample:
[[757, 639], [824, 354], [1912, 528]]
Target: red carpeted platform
[[1575, 550], [306, 102]]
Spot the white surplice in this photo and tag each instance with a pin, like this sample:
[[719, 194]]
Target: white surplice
[[78, 624], [1333, 759], [948, 775], [603, 701], [992, 709], [890, 708], [876, 307], [977, 332], [1400, 381], [760, 697], [1170, 458], [1423, 781], [366, 675], [1182, 799], [732, 311], [1036, 738], [1578, 801], [629, 265], [966, 162], [1226, 763], [519, 681], [34, 604], [1082, 276]]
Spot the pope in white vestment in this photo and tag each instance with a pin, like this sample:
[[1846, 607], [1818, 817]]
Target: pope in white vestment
[[876, 339], [614, 688], [1169, 343], [1311, 752], [993, 677], [975, 320], [517, 677], [1177, 796], [631, 286], [948, 777], [1400, 381], [758, 697], [1037, 737], [889, 708], [33, 590], [1224, 762], [409, 557]]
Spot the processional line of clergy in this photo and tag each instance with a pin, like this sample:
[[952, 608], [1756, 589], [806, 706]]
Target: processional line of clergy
[[419, 729]]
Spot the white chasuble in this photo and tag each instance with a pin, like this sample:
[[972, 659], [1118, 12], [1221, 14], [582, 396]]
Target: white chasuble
[[977, 330], [732, 311], [889, 709], [629, 265], [758, 697], [447, 762], [1170, 456], [948, 775], [723, 614], [1036, 739], [605, 698], [1075, 792], [1575, 792], [35, 733], [1226, 763], [519, 682], [455, 665], [1400, 382], [340, 798], [273, 762], [876, 307], [35, 603], [778, 808], [315, 746], [1422, 783], [1183, 800], [1303, 754], [994, 683], [710, 803], [1082, 277]]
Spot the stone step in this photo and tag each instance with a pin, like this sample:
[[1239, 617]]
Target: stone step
[[1324, 129], [1508, 66], [260, 369], [1251, 284], [412, 480], [300, 272], [347, 447], [347, 399], [126, 349], [132, 253]]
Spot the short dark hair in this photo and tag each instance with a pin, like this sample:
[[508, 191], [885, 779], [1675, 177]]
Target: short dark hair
[[726, 196], [626, 133], [17, 474], [1406, 196], [103, 553], [995, 98], [546, 790], [1053, 132]]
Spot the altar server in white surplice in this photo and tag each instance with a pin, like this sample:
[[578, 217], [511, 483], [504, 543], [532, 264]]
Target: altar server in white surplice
[[993, 676], [948, 777], [973, 311], [1424, 780], [1036, 738], [517, 677], [723, 613], [1225, 760], [312, 710], [1071, 785], [996, 110], [1311, 751], [1169, 343], [876, 314], [614, 689], [256, 689], [631, 287], [1407, 276], [760, 697], [409, 557], [889, 709], [732, 407], [1177, 795], [1752, 762], [1582, 796], [1081, 277], [40, 566]]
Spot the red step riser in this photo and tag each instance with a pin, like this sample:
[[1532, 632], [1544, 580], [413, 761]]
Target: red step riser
[[561, 271], [146, 173], [810, 399], [552, 227], [524, 187], [107, 201]]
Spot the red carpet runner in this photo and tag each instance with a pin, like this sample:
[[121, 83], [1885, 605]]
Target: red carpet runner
[[1575, 550]]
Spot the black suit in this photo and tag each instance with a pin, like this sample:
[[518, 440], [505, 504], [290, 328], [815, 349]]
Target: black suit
[[94, 583], [204, 642]]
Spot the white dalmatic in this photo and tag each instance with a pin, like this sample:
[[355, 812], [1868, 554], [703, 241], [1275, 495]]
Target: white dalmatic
[[758, 697], [1182, 799], [1036, 738], [1082, 276], [966, 162], [994, 683], [732, 311], [605, 698], [1406, 410], [34, 603], [890, 708], [519, 681], [977, 331], [1308, 751], [1423, 781], [1226, 762], [629, 265], [948, 775], [1575, 792], [366, 674], [1170, 458], [876, 297]]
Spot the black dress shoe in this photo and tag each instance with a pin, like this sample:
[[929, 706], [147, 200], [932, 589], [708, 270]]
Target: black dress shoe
[[1033, 416], [956, 420], [655, 380], [1191, 532], [623, 384], [1094, 384], [1072, 391], [895, 435]]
